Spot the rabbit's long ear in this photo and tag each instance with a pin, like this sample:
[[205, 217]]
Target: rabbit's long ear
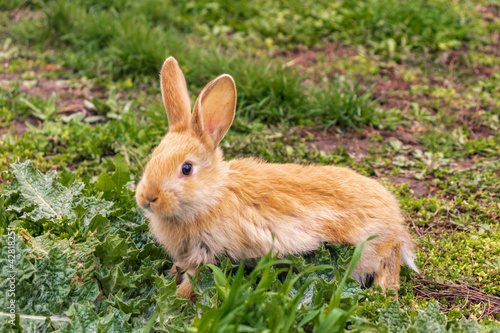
[[214, 110], [175, 95]]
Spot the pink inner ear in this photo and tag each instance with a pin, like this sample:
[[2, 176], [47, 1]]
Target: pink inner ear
[[213, 123], [217, 107]]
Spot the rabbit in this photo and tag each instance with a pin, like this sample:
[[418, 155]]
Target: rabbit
[[200, 206]]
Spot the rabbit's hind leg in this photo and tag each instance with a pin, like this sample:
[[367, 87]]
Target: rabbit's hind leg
[[388, 274], [379, 265]]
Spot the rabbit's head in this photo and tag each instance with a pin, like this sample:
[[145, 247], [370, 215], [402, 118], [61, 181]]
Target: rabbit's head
[[183, 177]]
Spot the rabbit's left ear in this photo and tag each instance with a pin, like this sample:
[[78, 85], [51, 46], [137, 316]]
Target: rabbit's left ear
[[175, 95], [214, 109]]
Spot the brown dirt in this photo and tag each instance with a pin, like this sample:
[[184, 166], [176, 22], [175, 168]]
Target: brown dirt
[[306, 58], [308, 62], [471, 119], [65, 93], [19, 125], [480, 131], [490, 12], [419, 187], [68, 97], [456, 59], [329, 140], [393, 91], [359, 144], [356, 143]]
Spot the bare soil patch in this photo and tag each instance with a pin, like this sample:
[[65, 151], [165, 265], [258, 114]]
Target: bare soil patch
[[312, 61], [69, 97], [305, 58], [419, 187], [46, 87], [390, 89], [330, 140], [360, 144], [490, 12], [476, 128], [19, 125], [457, 60]]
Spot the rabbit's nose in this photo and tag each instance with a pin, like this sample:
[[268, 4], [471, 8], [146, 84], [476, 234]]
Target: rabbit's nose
[[151, 197]]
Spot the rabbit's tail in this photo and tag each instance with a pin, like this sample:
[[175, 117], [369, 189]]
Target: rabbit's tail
[[407, 254]]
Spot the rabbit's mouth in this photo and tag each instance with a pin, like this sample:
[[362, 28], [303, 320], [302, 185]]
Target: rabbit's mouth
[[160, 203], [165, 205]]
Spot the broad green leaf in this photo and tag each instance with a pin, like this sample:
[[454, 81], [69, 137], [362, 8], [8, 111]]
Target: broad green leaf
[[46, 293], [51, 201], [134, 301], [18, 262], [167, 302], [471, 326], [42, 245], [93, 207], [80, 255], [98, 225], [16, 270], [115, 249], [52, 283], [105, 183], [86, 293], [49, 198], [152, 251], [82, 319], [115, 321], [122, 173], [115, 281]]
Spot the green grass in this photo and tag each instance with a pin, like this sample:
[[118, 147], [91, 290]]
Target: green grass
[[124, 44], [405, 100], [388, 27]]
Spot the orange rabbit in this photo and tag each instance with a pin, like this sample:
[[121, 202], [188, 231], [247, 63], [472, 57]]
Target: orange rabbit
[[201, 206]]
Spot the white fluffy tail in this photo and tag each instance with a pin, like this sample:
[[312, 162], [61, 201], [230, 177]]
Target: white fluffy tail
[[408, 256]]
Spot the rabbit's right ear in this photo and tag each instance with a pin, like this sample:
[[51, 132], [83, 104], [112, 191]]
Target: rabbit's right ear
[[175, 95], [214, 109]]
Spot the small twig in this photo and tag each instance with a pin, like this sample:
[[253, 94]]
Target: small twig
[[471, 294], [291, 62], [52, 318], [416, 228]]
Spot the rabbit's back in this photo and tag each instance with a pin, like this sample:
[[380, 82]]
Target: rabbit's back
[[293, 189]]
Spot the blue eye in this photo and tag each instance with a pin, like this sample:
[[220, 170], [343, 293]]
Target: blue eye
[[187, 169]]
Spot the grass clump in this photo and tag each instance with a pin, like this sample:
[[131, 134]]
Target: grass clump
[[129, 39], [115, 40], [465, 249], [393, 27], [389, 27]]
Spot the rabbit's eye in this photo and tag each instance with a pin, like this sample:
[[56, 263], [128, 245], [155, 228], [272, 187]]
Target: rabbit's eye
[[187, 169]]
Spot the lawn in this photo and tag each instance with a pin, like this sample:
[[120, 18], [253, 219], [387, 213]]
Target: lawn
[[406, 92]]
